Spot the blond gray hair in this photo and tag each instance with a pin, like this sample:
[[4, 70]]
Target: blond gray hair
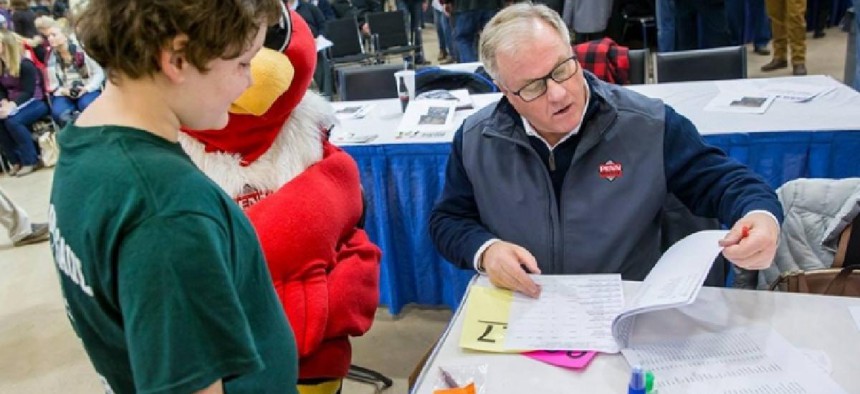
[[44, 22], [511, 27]]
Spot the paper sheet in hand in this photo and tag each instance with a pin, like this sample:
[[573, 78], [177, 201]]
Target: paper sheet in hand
[[740, 361]]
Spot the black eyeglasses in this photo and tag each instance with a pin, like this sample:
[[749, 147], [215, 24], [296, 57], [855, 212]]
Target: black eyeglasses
[[562, 72], [278, 36]]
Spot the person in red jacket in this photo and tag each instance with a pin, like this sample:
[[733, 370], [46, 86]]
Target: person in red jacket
[[303, 197]]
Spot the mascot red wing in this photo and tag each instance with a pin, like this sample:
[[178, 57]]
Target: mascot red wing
[[303, 197]]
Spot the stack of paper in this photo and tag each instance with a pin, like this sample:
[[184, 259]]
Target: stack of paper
[[585, 312], [427, 116]]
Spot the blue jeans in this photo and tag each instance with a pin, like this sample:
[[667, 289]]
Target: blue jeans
[[16, 139], [467, 24], [63, 106], [666, 25], [857, 46], [443, 32], [741, 14]]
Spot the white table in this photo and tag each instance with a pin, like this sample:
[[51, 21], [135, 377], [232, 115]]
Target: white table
[[807, 321], [836, 110]]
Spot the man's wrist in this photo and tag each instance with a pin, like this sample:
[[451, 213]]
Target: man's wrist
[[478, 260]]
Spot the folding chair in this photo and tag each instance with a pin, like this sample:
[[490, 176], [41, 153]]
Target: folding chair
[[346, 48], [367, 82], [702, 64], [389, 34], [639, 59]]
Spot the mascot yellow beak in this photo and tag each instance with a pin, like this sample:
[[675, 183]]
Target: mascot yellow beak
[[272, 73]]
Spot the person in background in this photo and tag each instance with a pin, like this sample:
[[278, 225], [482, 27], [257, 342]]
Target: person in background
[[414, 12], [542, 181], [821, 17], [197, 313], [316, 22], [700, 24], [665, 10], [15, 220], [6, 13], [59, 9], [364, 7], [343, 9], [21, 104], [788, 24], [443, 33], [23, 19], [39, 42], [74, 79], [739, 14], [326, 9], [470, 16]]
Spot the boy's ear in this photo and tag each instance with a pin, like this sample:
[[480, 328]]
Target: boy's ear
[[172, 60]]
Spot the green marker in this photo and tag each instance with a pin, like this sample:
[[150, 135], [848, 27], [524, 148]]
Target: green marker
[[649, 382]]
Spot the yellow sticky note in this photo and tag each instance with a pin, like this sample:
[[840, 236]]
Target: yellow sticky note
[[486, 319], [470, 389]]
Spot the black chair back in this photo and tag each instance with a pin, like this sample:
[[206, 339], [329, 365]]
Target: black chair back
[[344, 34], [389, 28], [368, 82], [638, 73], [702, 64]]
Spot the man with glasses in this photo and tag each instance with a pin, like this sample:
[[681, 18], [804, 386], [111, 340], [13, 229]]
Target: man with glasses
[[568, 174]]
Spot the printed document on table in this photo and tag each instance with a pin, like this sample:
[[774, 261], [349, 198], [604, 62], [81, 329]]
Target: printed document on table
[[740, 102], [573, 312], [585, 312], [796, 92], [741, 361]]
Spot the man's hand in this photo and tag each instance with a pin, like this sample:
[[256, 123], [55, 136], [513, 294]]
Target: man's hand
[[424, 5], [365, 28], [751, 243], [506, 265]]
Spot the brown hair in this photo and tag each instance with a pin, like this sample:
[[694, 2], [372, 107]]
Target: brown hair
[[126, 37]]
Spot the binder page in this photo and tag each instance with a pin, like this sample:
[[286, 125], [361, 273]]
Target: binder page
[[741, 361], [574, 312]]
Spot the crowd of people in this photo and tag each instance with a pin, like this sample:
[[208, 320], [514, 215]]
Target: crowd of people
[[44, 72]]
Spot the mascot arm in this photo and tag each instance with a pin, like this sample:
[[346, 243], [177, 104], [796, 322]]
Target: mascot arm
[[353, 286]]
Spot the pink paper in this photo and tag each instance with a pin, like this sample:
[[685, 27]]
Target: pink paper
[[568, 359]]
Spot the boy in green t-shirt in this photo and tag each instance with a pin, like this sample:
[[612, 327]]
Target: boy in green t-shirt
[[162, 273]]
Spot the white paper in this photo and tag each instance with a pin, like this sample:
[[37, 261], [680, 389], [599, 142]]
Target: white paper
[[573, 312], [740, 361], [352, 110], [740, 102], [322, 43], [855, 313], [428, 116], [796, 92], [674, 281]]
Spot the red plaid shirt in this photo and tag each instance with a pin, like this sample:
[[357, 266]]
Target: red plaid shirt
[[605, 59]]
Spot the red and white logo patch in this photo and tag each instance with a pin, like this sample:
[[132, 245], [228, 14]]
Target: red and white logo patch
[[610, 170]]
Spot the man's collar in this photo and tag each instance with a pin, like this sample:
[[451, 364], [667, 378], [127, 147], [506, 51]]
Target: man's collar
[[531, 132]]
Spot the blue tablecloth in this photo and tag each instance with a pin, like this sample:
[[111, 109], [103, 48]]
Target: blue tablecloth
[[403, 181]]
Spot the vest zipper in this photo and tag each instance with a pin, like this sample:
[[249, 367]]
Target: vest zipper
[[551, 161]]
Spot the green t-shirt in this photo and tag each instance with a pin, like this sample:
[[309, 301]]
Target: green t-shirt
[[163, 275]]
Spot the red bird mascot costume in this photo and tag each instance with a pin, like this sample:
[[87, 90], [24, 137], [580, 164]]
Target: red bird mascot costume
[[303, 197]]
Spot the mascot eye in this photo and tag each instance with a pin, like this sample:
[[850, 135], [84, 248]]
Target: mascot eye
[[278, 35]]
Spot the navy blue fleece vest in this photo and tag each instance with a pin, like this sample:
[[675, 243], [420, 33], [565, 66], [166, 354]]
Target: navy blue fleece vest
[[608, 216]]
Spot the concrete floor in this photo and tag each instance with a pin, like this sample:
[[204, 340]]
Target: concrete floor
[[39, 353]]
